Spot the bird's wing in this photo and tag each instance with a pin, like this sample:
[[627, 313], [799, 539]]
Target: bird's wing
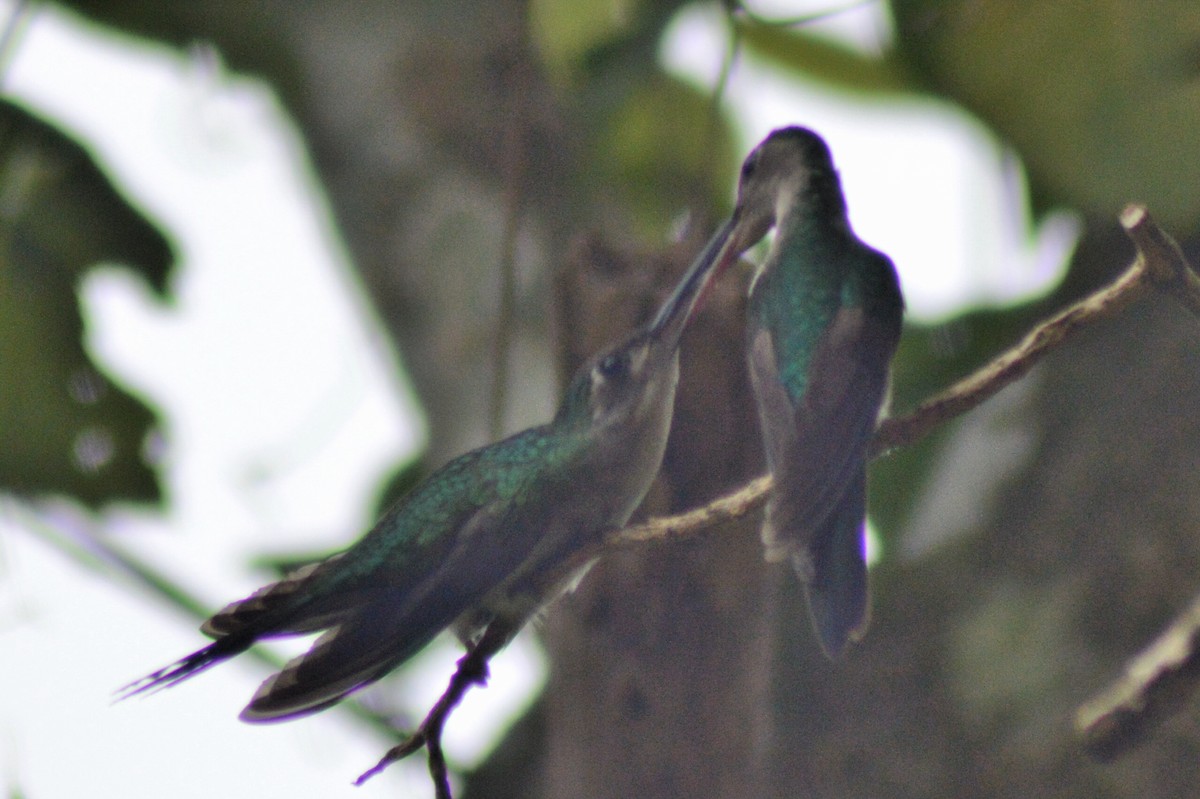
[[397, 621], [399, 564], [245, 614], [816, 444], [320, 596], [401, 554]]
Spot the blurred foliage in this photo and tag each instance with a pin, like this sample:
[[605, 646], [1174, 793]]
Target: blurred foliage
[[826, 61], [656, 145], [652, 169], [566, 32], [1101, 100], [65, 427]]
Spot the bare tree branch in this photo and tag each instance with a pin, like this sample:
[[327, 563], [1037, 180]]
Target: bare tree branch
[[724, 509], [1159, 264], [1155, 684]]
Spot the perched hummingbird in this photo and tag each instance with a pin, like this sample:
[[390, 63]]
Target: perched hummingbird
[[824, 319], [485, 540]]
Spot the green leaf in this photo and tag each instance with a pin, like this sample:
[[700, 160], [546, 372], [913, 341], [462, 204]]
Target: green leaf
[[1101, 99], [65, 427], [826, 61]]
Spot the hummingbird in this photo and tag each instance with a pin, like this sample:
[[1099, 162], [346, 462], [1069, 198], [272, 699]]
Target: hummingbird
[[481, 544], [823, 321]]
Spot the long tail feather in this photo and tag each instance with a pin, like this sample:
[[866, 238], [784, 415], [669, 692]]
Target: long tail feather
[[837, 585], [185, 668]]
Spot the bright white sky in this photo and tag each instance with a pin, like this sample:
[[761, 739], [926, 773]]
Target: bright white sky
[[283, 411]]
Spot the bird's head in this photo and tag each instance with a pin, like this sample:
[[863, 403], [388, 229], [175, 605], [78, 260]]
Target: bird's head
[[790, 164]]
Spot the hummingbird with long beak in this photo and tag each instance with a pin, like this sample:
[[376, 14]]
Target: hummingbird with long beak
[[824, 319], [481, 544]]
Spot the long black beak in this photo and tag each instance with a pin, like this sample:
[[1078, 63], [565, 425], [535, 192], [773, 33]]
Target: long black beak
[[673, 316]]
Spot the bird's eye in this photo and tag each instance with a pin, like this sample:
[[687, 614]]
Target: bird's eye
[[750, 166], [612, 365]]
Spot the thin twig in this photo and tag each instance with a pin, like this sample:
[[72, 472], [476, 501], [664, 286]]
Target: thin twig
[[720, 511], [1159, 264], [472, 670], [1155, 684], [1165, 263]]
